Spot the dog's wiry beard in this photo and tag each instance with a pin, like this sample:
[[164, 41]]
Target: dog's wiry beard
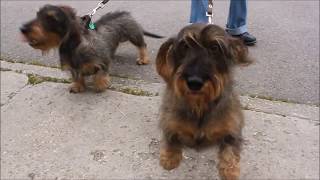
[[197, 103]]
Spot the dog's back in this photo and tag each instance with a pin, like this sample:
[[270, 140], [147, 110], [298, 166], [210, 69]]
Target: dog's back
[[120, 21], [123, 24], [112, 18]]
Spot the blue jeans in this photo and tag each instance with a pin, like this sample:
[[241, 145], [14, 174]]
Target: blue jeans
[[237, 19]]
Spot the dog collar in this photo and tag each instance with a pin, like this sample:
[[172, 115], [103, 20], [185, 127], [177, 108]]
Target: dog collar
[[92, 26]]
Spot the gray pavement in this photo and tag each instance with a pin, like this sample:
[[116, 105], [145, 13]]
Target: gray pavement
[[287, 53], [12, 85], [48, 133]]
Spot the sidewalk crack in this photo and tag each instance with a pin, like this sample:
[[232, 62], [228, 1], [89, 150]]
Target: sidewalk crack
[[282, 115], [12, 95]]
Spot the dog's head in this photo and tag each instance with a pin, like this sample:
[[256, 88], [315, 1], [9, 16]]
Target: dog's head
[[197, 64], [49, 27]]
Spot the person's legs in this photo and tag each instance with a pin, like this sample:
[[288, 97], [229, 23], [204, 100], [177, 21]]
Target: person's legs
[[237, 21], [198, 11]]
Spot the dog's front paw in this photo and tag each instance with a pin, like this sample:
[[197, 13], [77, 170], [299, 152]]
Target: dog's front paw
[[229, 163], [76, 88], [101, 83], [101, 87], [142, 61], [170, 159]]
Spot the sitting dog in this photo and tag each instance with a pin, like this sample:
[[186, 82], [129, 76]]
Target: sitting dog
[[200, 108], [82, 51]]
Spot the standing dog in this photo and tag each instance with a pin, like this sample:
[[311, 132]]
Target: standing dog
[[200, 108], [82, 51]]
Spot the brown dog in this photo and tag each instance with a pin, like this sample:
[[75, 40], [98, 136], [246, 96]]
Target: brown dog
[[85, 52], [200, 108]]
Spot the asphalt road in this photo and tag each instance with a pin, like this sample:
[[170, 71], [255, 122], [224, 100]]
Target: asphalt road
[[287, 52]]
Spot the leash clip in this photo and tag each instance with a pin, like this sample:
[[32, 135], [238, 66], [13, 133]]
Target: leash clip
[[91, 25], [101, 5], [209, 12]]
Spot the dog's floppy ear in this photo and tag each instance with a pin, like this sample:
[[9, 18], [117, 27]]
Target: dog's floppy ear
[[239, 52], [164, 68], [71, 12], [52, 15], [85, 20], [215, 37]]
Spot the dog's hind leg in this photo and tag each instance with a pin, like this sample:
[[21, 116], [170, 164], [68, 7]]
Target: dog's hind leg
[[139, 42], [143, 56]]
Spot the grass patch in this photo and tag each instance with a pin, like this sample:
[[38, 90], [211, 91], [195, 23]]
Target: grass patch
[[27, 62], [34, 79], [271, 98], [124, 76], [37, 63], [133, 91]]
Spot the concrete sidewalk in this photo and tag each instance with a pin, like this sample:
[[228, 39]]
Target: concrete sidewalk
[[48, 133]]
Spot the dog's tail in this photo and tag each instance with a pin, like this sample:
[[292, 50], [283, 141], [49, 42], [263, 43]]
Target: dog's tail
[[146, 33]]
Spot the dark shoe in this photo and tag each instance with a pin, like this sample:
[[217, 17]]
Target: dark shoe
[[247, 38]]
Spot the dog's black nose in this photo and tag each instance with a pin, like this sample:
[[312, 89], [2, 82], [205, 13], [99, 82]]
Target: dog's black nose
[[194, 83], [24, 29]]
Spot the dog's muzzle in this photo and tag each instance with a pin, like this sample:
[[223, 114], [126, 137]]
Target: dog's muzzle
[[24, 29], [194, 83]]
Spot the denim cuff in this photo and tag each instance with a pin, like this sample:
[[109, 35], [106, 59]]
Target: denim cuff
[[237, 31]]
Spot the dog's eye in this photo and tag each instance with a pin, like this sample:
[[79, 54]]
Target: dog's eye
[[51, 18], [182, 46], [215, 48], [180, 50]]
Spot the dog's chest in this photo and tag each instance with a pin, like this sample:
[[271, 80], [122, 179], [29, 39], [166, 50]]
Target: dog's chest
[[82, 56], [82, 63], [189, 134], [87, 68]]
